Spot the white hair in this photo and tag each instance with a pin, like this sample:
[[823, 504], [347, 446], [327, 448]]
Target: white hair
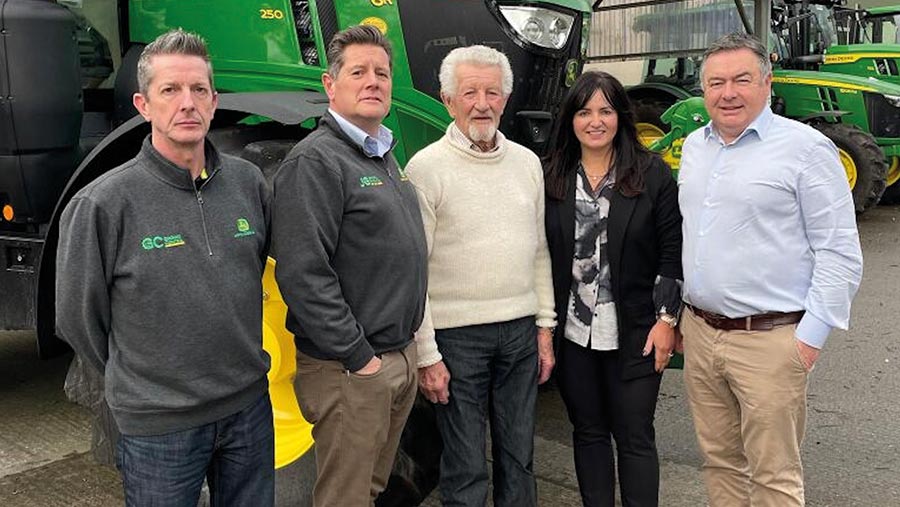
[[481, 56]]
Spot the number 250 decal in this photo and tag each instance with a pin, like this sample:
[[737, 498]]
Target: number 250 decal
[[271, 14]]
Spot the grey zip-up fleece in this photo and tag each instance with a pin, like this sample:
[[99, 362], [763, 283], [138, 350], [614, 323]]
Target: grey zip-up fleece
[[349, 242], [159, 286]]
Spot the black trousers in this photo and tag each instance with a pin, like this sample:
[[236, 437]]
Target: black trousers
[[601, 407]]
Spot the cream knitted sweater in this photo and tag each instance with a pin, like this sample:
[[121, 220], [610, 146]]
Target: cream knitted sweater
[[484, 223]]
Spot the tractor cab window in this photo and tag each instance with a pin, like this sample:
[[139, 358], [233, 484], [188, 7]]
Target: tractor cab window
[[823, 32]]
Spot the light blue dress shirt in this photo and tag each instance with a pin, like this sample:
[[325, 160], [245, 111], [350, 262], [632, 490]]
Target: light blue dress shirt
[[372, 146], [769, 225]]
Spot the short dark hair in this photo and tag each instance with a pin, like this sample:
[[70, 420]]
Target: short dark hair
[[173, 42], [735, 41], [355, 35], [630, 158]]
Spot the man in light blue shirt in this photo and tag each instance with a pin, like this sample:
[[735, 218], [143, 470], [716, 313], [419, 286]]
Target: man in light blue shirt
[[771, 263]]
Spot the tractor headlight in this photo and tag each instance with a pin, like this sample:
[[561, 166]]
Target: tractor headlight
[[893, 100], [543, 27]]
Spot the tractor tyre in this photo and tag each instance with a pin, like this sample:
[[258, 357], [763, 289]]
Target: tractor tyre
[[863, 162], [647, 113], [892, 192], [649, 110]]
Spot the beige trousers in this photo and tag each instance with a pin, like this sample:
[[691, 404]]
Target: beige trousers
[[357, 421], [747, 392]]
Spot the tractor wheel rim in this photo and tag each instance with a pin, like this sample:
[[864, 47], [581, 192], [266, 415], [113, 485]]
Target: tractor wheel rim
[[648, 133], [893, 173], [849, 167]]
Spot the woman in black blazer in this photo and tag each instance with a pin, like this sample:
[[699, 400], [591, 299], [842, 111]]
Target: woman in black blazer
[[614, 232]]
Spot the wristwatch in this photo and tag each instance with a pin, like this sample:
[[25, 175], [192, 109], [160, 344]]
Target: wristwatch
[[669, 319]]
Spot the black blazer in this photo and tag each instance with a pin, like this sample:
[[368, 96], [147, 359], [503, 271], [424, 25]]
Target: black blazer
[[644, 240]]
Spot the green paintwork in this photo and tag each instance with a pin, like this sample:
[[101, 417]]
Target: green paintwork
[[885, 10], [230, 27], [575, 5], [803, 99], [684, 117], [250, 53], [867, 66]]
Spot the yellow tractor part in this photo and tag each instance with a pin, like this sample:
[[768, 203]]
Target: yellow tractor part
[[293, 435], [648, 133], [893, 173], [849, 167]]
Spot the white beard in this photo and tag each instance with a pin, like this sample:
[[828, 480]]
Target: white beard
[[482, 134]]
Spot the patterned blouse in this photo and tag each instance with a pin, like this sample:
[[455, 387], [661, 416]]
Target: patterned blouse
[[591, 321]]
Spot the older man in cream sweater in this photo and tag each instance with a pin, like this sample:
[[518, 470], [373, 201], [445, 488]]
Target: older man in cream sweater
[[486, 342]]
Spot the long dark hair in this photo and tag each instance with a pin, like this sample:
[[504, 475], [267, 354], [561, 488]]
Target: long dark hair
[[630, 158]]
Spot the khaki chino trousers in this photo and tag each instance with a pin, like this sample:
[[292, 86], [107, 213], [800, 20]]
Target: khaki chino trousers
[[747, 392], [357, 421]]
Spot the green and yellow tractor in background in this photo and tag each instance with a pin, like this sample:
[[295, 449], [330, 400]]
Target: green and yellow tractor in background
[[860, 112], [869, 45], [67, 75]]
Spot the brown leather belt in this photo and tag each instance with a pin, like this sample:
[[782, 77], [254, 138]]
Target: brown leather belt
[[761, 322]]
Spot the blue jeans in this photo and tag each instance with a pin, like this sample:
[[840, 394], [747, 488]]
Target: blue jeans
[[236, 454], [493, 374]]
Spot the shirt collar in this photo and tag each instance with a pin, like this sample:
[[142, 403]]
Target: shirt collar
[[760, 126], [372, 146]]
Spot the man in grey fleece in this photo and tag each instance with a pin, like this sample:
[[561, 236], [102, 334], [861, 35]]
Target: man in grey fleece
[[159, 287], [348, 238]]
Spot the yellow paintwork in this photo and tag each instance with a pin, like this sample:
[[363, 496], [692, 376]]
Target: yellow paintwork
[[893, 173], [648, 133], [853, 57], [843, 87], [293, 435], [849, 167]]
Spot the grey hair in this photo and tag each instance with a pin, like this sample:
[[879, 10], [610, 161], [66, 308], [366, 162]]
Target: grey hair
[[355, 35], [735, 41], [481, 56], [173, 42]]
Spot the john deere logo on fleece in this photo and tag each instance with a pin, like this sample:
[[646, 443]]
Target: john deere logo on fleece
[[370, 181], [153, 242], [244, 229]]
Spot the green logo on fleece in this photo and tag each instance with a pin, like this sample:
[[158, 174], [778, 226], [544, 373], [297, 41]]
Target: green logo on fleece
[[154, 242], [370, 181], [243, 228]]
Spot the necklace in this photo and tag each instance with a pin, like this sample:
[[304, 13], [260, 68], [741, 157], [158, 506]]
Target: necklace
[[595, 178]]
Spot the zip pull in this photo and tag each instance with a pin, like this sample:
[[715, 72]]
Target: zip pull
[[203, 222]]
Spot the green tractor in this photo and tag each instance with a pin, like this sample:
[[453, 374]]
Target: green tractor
[[813, 78], [860, 115], [869, 45], [67, 74]]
